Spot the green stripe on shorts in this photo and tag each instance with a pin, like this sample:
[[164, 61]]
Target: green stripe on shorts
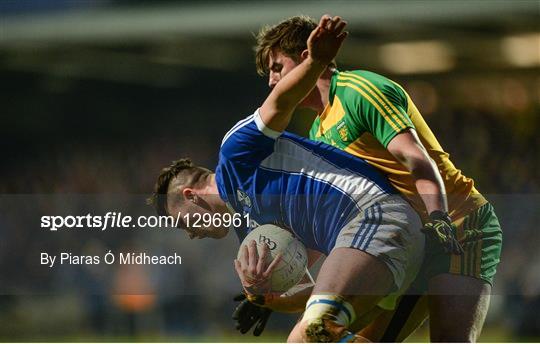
[[480, 235]]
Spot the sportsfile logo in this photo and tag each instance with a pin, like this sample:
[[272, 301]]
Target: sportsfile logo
[[119, 220], [269, 242], [110, 220]]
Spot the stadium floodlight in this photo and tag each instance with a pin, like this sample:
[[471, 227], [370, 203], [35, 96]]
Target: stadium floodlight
[[522, 50], [417, 57]]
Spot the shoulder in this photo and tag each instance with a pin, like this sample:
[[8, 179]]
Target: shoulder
[[365, 76], [369, 86], [249, 120]]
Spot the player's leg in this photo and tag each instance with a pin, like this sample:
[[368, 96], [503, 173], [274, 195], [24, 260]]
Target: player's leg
[[358, 279], [398, 325], [460, 286], [458, 306], [411, 312], [376, 257]]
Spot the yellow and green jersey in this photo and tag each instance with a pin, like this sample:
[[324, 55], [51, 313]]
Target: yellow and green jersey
[[365, 112]]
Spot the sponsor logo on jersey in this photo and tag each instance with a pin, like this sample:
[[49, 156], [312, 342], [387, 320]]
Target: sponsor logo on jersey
[[343, 131], [243, 198]]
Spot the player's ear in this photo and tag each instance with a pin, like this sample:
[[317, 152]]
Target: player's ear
[[304, 55], [189, 195]]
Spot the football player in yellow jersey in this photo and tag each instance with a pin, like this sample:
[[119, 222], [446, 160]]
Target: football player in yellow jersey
[[373, 117]]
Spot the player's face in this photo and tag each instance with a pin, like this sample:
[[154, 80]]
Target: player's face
[[195, 220], [279, 65]]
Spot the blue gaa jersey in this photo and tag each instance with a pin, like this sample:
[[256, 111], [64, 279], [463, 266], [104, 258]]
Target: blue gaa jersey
[[308, 187]]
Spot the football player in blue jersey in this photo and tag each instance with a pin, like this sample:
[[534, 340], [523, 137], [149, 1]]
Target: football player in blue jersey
[[337, 205]]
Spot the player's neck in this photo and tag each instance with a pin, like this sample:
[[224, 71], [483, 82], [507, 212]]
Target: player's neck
[[323, 85], [215, 201], [318, 98]]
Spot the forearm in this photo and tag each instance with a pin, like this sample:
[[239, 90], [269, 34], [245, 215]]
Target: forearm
[[277, 109], [409, 151], [293, 301], [429, 184]]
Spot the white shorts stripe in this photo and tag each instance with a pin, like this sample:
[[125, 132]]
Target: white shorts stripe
[[376, 222], [363, 227]]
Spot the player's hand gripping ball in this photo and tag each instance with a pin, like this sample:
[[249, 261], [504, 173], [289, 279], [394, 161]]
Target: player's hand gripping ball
[[270, 259]]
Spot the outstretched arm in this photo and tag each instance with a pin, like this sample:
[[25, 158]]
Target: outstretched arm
[[323, 45]]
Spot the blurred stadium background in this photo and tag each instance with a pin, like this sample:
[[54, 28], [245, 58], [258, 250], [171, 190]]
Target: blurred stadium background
[[98, 95]]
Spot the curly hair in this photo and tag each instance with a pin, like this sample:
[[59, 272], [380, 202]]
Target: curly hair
[[184, 169], [289, 36]]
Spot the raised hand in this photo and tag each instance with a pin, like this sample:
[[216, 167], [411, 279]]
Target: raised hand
[[326, 39]]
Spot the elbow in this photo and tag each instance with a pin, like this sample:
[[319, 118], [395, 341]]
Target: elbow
[[279, 103], [284, 104], [421, 167]]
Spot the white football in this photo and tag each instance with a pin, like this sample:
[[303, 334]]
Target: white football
[[292, 266]]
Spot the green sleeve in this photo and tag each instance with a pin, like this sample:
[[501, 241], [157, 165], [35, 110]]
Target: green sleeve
[[314, 128], [379, 105]]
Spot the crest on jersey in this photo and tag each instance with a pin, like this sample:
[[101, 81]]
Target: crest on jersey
[[243, 198], [343, 131]]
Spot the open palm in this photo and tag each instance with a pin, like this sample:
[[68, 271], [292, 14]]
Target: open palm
[[326, 39]]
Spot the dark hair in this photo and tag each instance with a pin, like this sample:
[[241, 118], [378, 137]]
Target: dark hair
[[184, 168], [290, 37]]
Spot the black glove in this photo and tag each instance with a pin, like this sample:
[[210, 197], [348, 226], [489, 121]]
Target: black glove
[[440, 229], [248, 314]]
